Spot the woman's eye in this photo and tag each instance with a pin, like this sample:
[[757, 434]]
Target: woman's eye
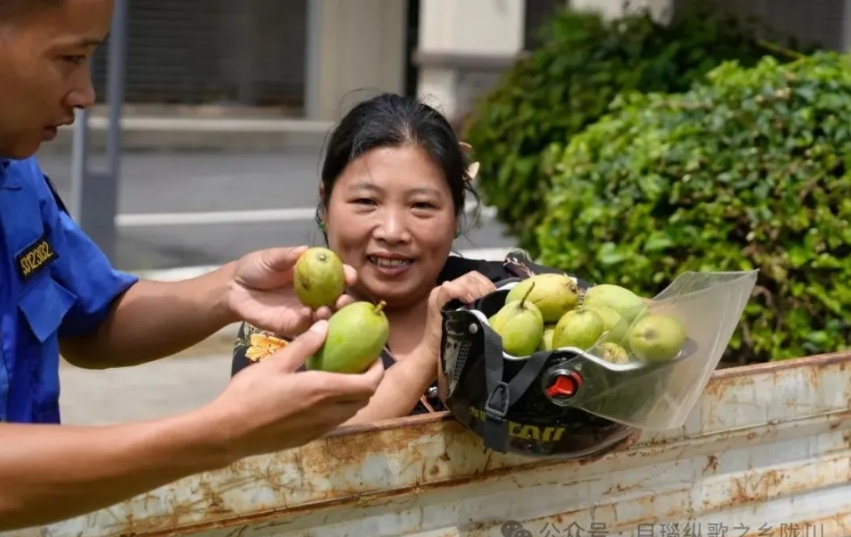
[[423, 205], [364, 201]]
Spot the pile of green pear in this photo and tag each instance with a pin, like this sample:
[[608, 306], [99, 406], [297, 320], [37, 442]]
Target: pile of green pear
[[550, 311], [357, 332]]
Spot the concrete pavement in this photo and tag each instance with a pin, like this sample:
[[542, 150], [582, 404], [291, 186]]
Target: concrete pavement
[[149, 391]]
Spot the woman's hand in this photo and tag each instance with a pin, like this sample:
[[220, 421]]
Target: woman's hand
[[468, 288]]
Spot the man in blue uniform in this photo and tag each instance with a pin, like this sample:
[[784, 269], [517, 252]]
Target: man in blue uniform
[[59, 293]]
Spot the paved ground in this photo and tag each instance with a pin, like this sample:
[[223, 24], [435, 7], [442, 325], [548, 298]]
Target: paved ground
[[148, 391], [193, 182]]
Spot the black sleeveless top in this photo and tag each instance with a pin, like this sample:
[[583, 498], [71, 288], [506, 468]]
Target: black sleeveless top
[[253, 344]]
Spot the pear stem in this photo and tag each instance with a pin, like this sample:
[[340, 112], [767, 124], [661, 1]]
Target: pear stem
[[380, 306], [523, 300]]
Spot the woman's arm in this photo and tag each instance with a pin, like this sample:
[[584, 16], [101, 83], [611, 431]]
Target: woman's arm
[[401, 389]]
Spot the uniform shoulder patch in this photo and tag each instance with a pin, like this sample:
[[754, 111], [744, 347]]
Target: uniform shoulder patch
[[35, 258]]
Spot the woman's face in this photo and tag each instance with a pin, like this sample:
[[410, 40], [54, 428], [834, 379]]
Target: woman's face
[[391, 217]]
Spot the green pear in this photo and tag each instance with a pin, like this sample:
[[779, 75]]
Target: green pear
[[612, 352], [357, 333], [319, 279], [622, 300], [520, 324], [657, 337], [580, 328], [547, 339], [554, 294], [614, 324]]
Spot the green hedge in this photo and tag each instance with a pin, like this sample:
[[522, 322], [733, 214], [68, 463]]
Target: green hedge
[[568, 83], [750, 170]]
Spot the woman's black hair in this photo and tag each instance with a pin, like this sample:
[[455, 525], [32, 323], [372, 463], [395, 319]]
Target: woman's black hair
[[391, 120]]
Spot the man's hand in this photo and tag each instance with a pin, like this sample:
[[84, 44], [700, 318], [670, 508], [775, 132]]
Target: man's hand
[[270, 406], [262, 292], [51, 472]]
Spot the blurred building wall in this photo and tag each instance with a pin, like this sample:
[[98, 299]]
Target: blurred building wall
[[245, 52], [316, 58], [360, 51], [465, 46], [825, 23], [811, 22]]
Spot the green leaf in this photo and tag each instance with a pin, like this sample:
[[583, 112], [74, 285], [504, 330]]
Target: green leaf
[[582, 68], [735, 173]]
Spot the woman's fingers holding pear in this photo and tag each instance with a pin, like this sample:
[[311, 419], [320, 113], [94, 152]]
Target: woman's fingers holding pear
[[322, 314], [343, 301], [351, 275]]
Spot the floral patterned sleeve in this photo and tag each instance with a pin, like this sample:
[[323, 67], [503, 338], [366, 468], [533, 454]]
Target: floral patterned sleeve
[[253, 345]]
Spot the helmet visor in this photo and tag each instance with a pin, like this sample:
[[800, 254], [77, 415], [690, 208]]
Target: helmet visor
[[674, 345]]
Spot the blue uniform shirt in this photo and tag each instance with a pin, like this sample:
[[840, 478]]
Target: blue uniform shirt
[[54, 282]]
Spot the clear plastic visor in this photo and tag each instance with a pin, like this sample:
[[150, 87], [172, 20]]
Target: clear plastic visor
[[673, 345]]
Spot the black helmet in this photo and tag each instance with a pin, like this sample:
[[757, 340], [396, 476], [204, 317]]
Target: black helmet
[[567, 402]]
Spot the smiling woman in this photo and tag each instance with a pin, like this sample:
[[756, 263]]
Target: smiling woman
[[392, 197]]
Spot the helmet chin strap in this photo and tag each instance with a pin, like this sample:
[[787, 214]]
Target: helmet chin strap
[[501, 394]]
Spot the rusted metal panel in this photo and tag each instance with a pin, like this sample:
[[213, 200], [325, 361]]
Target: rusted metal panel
[[765, 452]]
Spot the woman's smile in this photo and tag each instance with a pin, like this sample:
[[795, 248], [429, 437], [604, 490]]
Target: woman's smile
[[389, 264]]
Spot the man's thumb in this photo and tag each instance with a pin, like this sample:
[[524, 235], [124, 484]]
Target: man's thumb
[[294, 355]]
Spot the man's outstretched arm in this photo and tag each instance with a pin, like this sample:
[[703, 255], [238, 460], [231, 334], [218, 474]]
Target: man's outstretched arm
[[154, 319], [52, 472]]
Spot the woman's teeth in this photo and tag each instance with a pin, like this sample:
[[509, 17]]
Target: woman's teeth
[[389, 263]]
